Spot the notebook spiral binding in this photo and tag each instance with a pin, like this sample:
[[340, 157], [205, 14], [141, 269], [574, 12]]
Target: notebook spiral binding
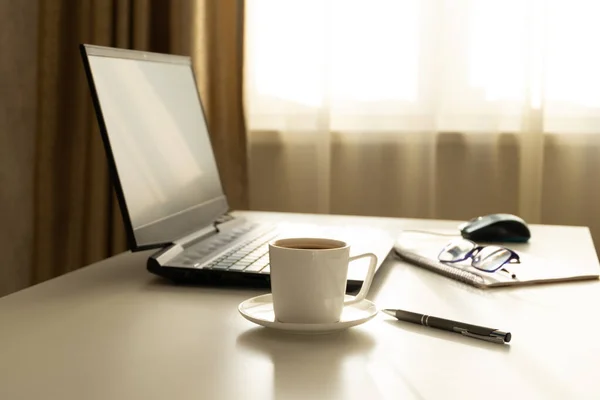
[[443, 269]]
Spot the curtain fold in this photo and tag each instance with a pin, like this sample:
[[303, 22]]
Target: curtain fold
[[17, 140], [223, 40]]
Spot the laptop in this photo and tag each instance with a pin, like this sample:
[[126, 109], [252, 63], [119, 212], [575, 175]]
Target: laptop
[[164, 172]]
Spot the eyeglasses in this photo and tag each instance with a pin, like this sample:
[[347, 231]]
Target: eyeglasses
[[484, 258]]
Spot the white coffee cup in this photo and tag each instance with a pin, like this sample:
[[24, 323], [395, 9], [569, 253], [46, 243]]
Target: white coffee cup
[[308, 279]]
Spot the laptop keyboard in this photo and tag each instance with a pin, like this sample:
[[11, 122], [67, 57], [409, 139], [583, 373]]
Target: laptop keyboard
[[195, 253], [251, 252], [251, 255]]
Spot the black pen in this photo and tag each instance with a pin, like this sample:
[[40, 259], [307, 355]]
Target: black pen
[[474, 331]]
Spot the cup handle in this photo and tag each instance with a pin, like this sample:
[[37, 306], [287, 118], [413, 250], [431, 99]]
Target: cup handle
[[368, 279]]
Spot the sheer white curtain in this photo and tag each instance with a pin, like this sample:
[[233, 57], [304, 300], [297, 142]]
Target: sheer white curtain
[[424, 108]]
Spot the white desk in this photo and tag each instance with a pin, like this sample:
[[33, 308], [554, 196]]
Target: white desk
[[113, 331]]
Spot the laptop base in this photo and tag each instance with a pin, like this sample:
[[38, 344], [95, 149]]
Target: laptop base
[[198, 277]]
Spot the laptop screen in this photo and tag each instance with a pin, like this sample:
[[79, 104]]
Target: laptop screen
[[154, 125]]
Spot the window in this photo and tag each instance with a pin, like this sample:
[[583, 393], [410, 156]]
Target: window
[[406, 65]]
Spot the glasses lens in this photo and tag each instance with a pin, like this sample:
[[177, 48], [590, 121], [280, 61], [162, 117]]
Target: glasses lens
[[491, 258], [457, 250]]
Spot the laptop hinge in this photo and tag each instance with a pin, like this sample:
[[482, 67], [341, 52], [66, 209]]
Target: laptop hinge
[[179, 245], [220, 225], [196, 235], [225, 225], [171, 252]]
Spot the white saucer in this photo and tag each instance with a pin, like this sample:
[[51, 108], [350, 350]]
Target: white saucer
[[260, 311]]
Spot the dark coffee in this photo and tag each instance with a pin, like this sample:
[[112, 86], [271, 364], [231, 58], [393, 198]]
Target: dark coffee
[[308, 246]]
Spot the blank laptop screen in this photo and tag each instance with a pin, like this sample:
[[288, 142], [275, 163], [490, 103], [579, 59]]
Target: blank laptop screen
[[158, 137]]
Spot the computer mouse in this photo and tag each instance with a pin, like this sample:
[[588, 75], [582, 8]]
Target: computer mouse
[[496, 228]]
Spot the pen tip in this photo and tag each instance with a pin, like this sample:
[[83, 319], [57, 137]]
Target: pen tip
[[389, 312]]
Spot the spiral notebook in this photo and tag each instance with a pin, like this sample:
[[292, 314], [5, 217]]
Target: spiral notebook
[[423, 249]]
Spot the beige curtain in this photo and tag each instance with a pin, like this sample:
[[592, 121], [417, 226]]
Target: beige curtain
[[60, 205], [432, 109], [220, 31], [17, 140]]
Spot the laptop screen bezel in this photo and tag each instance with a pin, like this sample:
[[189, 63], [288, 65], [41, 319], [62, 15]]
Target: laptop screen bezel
[[164, 231]]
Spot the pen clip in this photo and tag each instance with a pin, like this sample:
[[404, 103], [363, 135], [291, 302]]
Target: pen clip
[[494, 339]]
